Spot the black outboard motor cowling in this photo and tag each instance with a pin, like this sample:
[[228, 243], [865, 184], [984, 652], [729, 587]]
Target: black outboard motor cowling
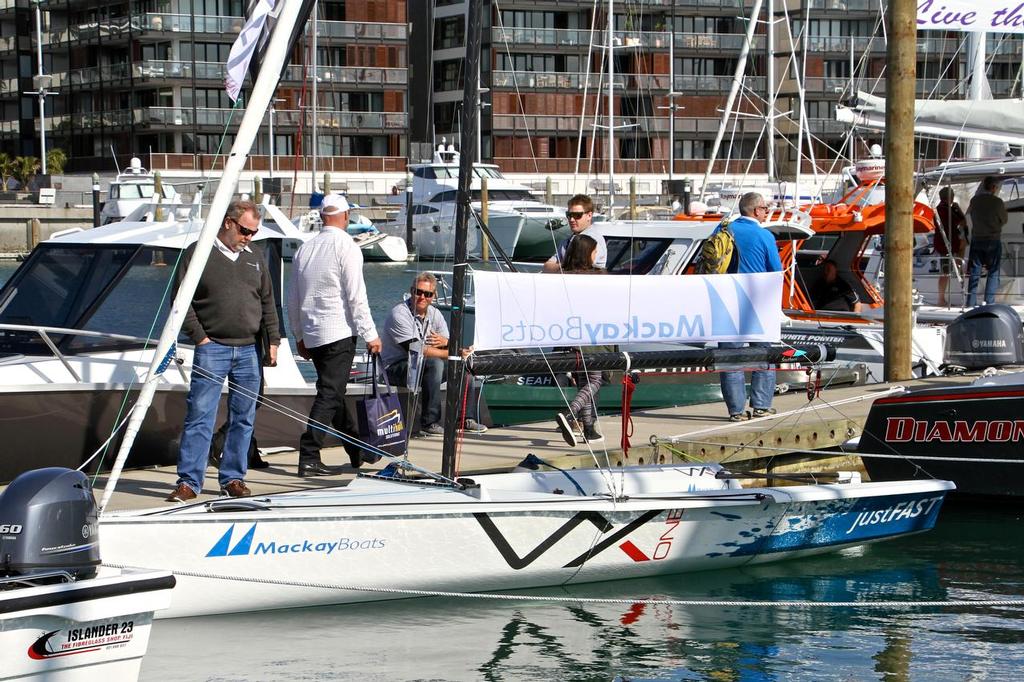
[[48, 522], [987, 336]]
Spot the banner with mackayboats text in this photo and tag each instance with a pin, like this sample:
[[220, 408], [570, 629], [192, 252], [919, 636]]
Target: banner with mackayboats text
[[525, 310]]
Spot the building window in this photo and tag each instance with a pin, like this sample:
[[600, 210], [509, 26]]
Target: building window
[[449, 32]]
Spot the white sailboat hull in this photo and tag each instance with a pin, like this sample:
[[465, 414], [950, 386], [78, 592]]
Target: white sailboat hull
[[378, 539], [92, 629]]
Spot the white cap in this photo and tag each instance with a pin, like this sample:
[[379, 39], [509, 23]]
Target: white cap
[[333, 204]]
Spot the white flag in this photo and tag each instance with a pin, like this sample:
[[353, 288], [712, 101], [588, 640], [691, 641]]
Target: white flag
[[245, 45]]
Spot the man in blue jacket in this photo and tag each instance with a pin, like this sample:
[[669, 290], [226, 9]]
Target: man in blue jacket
[[757, 251]]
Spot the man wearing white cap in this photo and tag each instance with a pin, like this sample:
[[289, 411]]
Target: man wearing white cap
[[327, 310]]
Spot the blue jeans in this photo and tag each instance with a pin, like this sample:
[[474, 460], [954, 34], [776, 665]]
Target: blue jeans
[[987, 253], [734, 390], [211, 364], [432, 372]]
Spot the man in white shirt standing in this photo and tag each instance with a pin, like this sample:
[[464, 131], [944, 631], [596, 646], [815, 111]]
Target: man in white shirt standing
[[327, 310]]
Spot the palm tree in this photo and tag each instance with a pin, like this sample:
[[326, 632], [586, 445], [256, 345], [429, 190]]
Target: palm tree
[[56, 159], [6, 170], [24, 168]]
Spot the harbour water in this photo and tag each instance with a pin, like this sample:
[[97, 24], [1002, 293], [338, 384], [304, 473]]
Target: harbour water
[[740, 632]]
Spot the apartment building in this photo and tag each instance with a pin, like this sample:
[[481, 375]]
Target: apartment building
[[145, 77]]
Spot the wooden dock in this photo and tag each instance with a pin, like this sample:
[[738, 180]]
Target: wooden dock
[[677, 434]]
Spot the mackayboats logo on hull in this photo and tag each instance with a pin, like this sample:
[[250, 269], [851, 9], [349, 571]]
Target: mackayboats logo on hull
[[248, 545]]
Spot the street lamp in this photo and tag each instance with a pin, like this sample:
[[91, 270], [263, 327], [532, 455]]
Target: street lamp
[[272, 102], [41, 82]]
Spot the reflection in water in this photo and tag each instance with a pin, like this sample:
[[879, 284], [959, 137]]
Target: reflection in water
[[970, 556]]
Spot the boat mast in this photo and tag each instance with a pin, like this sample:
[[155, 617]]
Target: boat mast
[[259, 100], [737, 79], [611, 108], [316, 78], [469, 120]]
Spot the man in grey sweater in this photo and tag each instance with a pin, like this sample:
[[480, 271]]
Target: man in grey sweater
[[232, 307], [987, 213]]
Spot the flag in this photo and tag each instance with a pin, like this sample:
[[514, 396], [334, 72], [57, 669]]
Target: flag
[[247, 51]]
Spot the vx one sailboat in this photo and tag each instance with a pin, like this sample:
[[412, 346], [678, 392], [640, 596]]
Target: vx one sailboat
[[399, 536]]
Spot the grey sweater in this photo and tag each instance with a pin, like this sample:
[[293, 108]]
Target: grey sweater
[[234, 302]]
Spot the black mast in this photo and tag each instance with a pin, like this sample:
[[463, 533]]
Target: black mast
[[469, 117]]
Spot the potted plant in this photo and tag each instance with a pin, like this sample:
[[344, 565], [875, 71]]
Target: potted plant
[[24, 168]]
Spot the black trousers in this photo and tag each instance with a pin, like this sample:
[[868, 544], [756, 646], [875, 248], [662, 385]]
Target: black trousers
[[333, 362]]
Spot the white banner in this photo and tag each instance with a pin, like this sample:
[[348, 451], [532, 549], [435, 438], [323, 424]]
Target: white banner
[[971, 15], [519, 310]]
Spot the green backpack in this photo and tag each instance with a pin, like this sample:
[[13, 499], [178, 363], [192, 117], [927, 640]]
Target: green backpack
[[716, 253]]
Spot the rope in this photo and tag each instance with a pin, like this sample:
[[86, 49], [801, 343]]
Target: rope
[[791, 603], [628, 387]]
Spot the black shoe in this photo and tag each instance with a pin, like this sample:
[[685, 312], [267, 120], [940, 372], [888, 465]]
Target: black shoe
[[318, 469], [257, 462], [355, 455]]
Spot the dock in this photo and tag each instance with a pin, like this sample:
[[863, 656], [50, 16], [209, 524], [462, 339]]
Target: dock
[[784, 442]]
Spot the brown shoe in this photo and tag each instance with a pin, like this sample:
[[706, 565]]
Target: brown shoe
[[182, 493], [236, 488]]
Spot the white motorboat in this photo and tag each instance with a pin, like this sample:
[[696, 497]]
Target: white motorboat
[[76, 322], [376, 246], [61, 618], [133, 188], [524, 227], [385, 537]]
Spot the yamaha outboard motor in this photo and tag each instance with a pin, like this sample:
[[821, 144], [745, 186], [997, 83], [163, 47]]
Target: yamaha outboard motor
[[48, 523], [987, 336]]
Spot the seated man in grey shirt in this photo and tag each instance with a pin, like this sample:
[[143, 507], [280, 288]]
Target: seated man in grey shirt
[[415, 349]]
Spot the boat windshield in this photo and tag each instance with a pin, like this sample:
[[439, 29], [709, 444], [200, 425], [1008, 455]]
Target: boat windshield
[[108, 289], [628, 256], [492, 195]]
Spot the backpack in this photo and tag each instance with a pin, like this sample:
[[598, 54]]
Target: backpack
[[717, 253]]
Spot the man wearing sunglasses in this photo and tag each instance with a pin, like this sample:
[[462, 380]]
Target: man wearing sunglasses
[[580, 214], [415, 351], [327, 310], [756, 251], [232, 308]]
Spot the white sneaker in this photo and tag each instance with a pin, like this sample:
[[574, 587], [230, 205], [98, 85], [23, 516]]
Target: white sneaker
[[565, 427], [473, 426]]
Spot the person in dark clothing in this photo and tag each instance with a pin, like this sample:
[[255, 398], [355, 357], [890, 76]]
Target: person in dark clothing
[[581, 419], [232, 307], [988, 215], [950, 238], [832, 292]]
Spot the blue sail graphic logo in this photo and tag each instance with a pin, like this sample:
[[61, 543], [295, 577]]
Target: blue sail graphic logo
[[223, 546], [722, 322]]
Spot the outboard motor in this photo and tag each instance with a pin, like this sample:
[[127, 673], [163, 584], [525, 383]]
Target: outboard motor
[[48, 523], [987, 336]]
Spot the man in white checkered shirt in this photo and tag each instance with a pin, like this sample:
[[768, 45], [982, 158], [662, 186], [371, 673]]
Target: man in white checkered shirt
[[327, 310]]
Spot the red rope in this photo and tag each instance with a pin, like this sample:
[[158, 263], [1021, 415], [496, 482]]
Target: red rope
[[628, 386]]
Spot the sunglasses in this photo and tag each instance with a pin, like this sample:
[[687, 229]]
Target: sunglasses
[[423, 293], [242, 230], [575, 215]]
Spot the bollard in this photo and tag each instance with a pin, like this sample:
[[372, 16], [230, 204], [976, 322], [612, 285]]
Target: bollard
[[408, 214], [35, 229], [95, 199], [257, 190], [158, 190], [632, 197], [548, 196], [327, 184], [485, 250]]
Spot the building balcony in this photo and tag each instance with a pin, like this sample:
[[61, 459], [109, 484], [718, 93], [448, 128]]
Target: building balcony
[[180, 118], [9, 87], [556, 37], [350, 75], [282, 164], [159, 25], [8, 44], [504, 124], [623, 167], [551, 80], [10, 128]]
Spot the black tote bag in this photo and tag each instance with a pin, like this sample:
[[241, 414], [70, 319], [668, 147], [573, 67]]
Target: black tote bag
[[380, 419]]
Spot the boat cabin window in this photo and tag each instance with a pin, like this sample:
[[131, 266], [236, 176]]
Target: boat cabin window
[[133, 191], [628, 256], [421, 209], [492, 195], [115, 290]]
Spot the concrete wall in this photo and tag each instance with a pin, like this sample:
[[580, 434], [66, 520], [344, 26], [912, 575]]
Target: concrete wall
[[16, 231]]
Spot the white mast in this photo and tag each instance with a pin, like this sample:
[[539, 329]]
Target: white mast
[[316, 78], [978, 89], [259, 101], [770, 77], [737, 78]]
